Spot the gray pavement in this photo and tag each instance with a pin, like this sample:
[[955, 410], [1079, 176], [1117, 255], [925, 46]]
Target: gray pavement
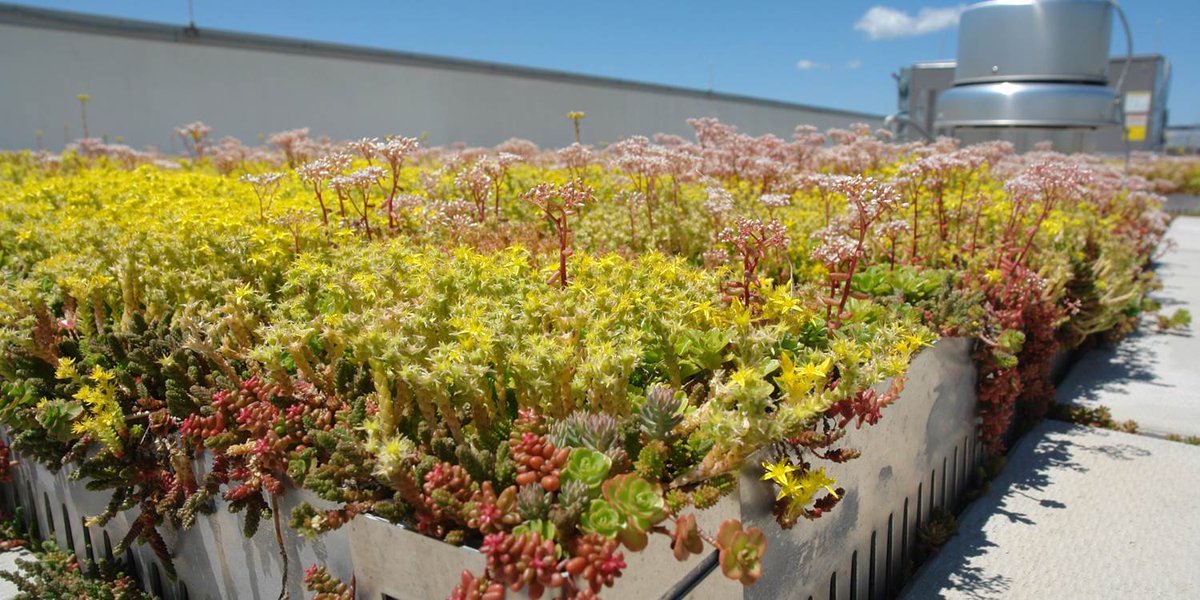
[[1152, 377], [8, 563], [1094, 514], [1078, 513]]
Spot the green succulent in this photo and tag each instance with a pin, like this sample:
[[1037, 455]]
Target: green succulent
[[1004, 360], [706, 496], [601, 518], [905, 281], [640, 504], [702, 351], [57, 417], [545, 529], [1010, 341], [677, 500], [573, 500], [587, 467], [298, 467], [652, 460], [581, 429], [660, 413], [455, 537]]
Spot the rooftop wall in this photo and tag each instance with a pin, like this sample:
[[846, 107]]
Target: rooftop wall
[[146, 79]]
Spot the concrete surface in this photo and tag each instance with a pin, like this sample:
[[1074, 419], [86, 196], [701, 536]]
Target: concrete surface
[[1089, 513], [1152, 377], [214, 559], [8, 564], [1078, 513]]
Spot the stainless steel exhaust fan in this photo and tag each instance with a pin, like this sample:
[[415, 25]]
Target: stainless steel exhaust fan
[[1032, 63]]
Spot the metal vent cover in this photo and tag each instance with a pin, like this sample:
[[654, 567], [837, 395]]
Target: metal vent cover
[[1032, 63], [1034, 40], [1010, 104]]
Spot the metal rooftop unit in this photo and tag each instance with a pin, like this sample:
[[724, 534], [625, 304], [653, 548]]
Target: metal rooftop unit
[[1033, 71]]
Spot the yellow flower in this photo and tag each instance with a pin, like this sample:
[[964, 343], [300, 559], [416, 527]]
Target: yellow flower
[[744, 377], [801, 490], [918, 340], [393, 447], [800, 381], [819, 479], [100, 376], [789, 379], [740, 315], [895, 364], [370, 427], [912, 342], [777, 472], [812, 371], [66, 369], [705, 310], [789, 488], [850, 352], [779, 302]]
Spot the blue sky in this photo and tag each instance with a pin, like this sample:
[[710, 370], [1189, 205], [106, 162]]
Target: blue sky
[[825, 52]]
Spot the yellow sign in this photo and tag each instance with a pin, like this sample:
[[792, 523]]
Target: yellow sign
[[1136, 133]]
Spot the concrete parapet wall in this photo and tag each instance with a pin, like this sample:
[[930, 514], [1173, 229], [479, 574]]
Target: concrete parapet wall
[[918, 457]]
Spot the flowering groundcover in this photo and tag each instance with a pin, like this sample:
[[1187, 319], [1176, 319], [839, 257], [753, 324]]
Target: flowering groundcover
[[547, 354]]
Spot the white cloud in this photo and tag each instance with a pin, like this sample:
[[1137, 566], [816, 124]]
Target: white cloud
[[808, 65], [854, 63], [884, 22]]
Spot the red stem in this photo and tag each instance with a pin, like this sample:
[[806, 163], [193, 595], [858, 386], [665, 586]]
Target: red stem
[[563, 232], [367, 212], [850, 277], [321, 201]]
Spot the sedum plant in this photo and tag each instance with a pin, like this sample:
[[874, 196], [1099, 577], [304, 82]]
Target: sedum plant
[[741, 551], [555, 381]]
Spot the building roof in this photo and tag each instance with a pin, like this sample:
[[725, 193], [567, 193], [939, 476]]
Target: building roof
[[161, 32], [950, 63]]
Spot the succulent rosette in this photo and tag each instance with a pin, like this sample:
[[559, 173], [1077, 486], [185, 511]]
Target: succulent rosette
[[741, 551], [602, 518], [587, 467], [639, 502], [57, 417]]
